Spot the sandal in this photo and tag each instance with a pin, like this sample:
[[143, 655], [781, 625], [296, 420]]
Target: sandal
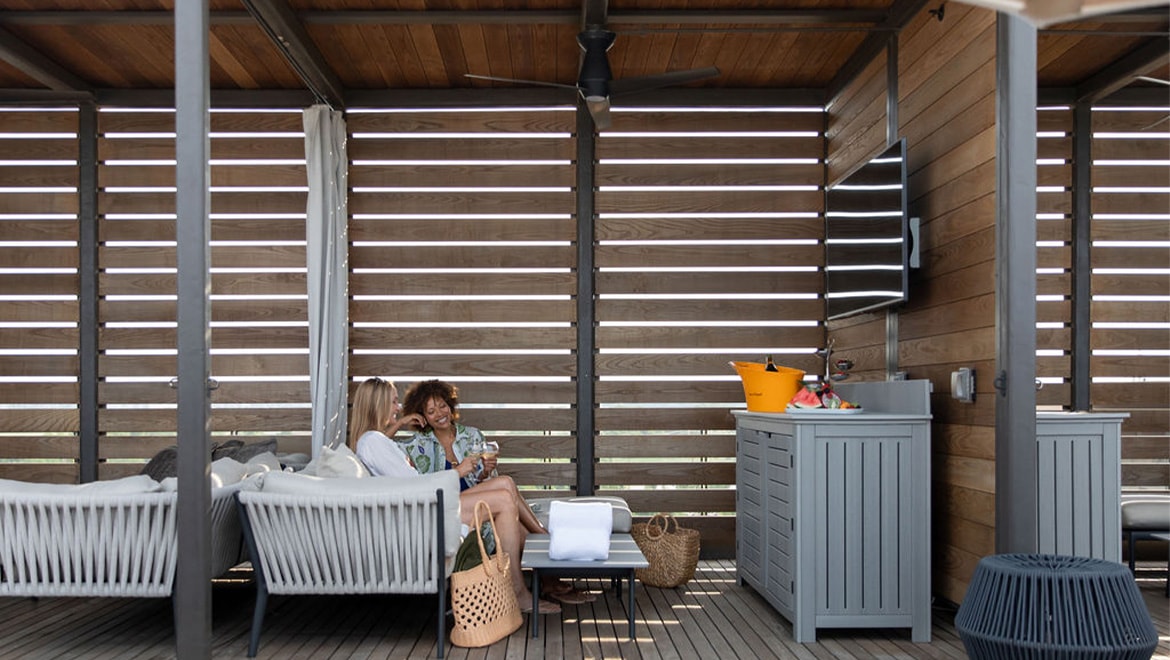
[[546, 607], [572, 597], [559, 587]]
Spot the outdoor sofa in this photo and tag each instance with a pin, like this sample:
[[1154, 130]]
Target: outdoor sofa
[[114, 538], [351, 535]]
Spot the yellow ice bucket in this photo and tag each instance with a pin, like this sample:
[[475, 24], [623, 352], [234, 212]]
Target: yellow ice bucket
[[768, 391]]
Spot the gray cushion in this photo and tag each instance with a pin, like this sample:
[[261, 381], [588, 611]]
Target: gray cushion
[[164, 464], [254, 449], [1145, 511], [622, 519]]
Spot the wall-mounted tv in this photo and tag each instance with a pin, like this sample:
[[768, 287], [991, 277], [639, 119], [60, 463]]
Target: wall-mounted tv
[[867, 237]]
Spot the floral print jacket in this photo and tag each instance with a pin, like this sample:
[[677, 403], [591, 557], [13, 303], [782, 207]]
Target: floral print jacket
[[426, 452]]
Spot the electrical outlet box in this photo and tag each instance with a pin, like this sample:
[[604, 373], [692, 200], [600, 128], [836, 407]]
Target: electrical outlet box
[[963, 385]]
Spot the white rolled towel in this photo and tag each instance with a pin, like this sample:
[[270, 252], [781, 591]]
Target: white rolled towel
[[579, 531]]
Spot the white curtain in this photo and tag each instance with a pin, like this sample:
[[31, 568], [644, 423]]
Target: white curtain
[[328, 278]]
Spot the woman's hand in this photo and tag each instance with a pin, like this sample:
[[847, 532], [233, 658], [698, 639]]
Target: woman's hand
[[466, 466], [489, 465], [411, 422]]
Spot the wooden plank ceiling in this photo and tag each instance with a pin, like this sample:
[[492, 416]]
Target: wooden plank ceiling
[[84, 45]]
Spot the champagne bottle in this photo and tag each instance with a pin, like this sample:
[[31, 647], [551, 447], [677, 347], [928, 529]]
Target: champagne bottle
[[769, 365]]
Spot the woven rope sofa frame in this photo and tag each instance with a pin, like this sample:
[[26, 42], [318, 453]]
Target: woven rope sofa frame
[[386, 543], [113, 545]]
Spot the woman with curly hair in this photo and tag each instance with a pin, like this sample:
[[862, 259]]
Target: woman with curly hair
[[373, 422], [443, 441]]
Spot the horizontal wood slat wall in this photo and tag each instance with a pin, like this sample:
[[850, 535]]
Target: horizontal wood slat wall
[[1054, 255], [706, 253], [39, 295], [463, 267], [259, 340], [1131, 286]]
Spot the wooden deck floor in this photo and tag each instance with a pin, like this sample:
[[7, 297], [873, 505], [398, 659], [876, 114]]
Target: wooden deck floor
[[712, 617]]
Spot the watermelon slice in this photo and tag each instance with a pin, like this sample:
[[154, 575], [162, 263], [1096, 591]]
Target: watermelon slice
[[806, 397]]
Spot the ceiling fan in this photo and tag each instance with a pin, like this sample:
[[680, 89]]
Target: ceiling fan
[[595, 81]]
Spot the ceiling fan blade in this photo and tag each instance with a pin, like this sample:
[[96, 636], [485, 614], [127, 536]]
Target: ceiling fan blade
[[643, 83], [599, 110], [1153, 80], [519, 81]]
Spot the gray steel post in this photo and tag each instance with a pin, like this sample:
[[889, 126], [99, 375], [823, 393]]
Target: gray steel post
[[1082, 209], [193, 200], [586, 294], [891, 138], [1015, 290], [87, 276]]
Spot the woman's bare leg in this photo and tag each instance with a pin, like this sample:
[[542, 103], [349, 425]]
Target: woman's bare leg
[[505, 484], [510, 534]]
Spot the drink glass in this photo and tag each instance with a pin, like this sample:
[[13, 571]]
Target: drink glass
[[475, 453], [491, 449]]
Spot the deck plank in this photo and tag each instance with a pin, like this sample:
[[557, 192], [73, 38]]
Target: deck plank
[[712, 616]]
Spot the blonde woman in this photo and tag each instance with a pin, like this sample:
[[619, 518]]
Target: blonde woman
[[373, 422]]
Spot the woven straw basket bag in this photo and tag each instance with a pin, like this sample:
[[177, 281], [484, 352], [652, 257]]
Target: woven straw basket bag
[[673, 553], [482, 600]]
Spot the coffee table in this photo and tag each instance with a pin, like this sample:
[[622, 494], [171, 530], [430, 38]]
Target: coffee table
[[624, 558]]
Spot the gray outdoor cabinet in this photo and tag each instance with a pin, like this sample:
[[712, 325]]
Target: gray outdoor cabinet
[[1078, 484], [833, 511]]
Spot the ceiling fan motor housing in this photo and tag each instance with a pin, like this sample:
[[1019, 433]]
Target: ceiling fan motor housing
[[595, 73]]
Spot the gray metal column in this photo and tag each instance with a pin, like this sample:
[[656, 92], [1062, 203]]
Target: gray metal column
[[1082, 209], [586, 296], [87, 316], [1015, 290], [891, 137], [192, 148]]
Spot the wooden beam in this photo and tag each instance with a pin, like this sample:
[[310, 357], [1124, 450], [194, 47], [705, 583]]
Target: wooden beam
[[458, 17], [34, 64], [1147, 57], [897, 17], [282, 26]]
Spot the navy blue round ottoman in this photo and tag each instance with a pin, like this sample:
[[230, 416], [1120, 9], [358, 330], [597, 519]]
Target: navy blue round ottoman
[[1052, 606]]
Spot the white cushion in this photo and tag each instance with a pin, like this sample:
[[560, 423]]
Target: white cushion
[[1145, 511], [340, 462], [622, 518], [266, 462], [226, 472], [250, 482], [139, 483], [296, 483]]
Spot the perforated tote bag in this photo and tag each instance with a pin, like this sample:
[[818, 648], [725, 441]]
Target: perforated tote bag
[[482, 600]]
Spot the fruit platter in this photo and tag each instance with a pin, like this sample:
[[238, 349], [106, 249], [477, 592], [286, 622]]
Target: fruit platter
[[819, 398]]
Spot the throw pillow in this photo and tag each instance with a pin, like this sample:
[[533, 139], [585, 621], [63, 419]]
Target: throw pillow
[[227, 471], [225, 449], [340, 462], [254, 449], [266, 462], [163, 464]]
